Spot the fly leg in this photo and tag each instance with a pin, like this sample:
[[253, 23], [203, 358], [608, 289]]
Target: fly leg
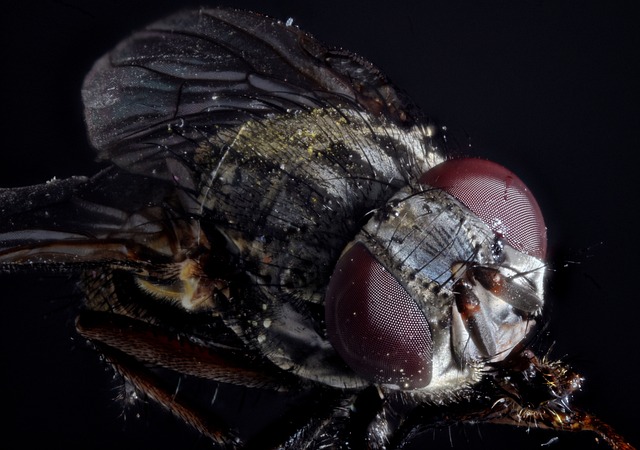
[[548, 387], [524, 391], [153, 387], [331, 418], [134, 347]]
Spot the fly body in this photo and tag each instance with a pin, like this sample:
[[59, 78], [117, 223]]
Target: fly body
[[275, 214]]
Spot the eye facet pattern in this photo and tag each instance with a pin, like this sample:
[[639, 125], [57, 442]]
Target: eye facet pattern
[[498, 197], [375, 325]]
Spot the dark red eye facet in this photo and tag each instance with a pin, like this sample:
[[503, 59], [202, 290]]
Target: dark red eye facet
[[375, 325], [498, 197]]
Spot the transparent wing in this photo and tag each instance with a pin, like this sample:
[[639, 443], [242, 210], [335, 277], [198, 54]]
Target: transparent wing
[[150, 104], [66, 224], [185, 77]]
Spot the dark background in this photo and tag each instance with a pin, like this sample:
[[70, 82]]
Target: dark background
[[549, 89]]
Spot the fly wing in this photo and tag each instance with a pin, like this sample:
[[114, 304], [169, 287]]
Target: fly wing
[[182, 79], [70, 224], [154, 103]]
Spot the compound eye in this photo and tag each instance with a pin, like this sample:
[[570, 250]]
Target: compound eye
[[498, 197], [375, 325]]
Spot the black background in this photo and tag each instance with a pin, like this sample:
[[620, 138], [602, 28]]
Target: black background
[[549, 89]]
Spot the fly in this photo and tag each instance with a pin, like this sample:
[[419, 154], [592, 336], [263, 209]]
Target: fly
[[275, 215]]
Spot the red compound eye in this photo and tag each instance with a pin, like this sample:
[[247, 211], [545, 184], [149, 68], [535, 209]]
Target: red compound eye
[[498, 197], [375, 325]]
